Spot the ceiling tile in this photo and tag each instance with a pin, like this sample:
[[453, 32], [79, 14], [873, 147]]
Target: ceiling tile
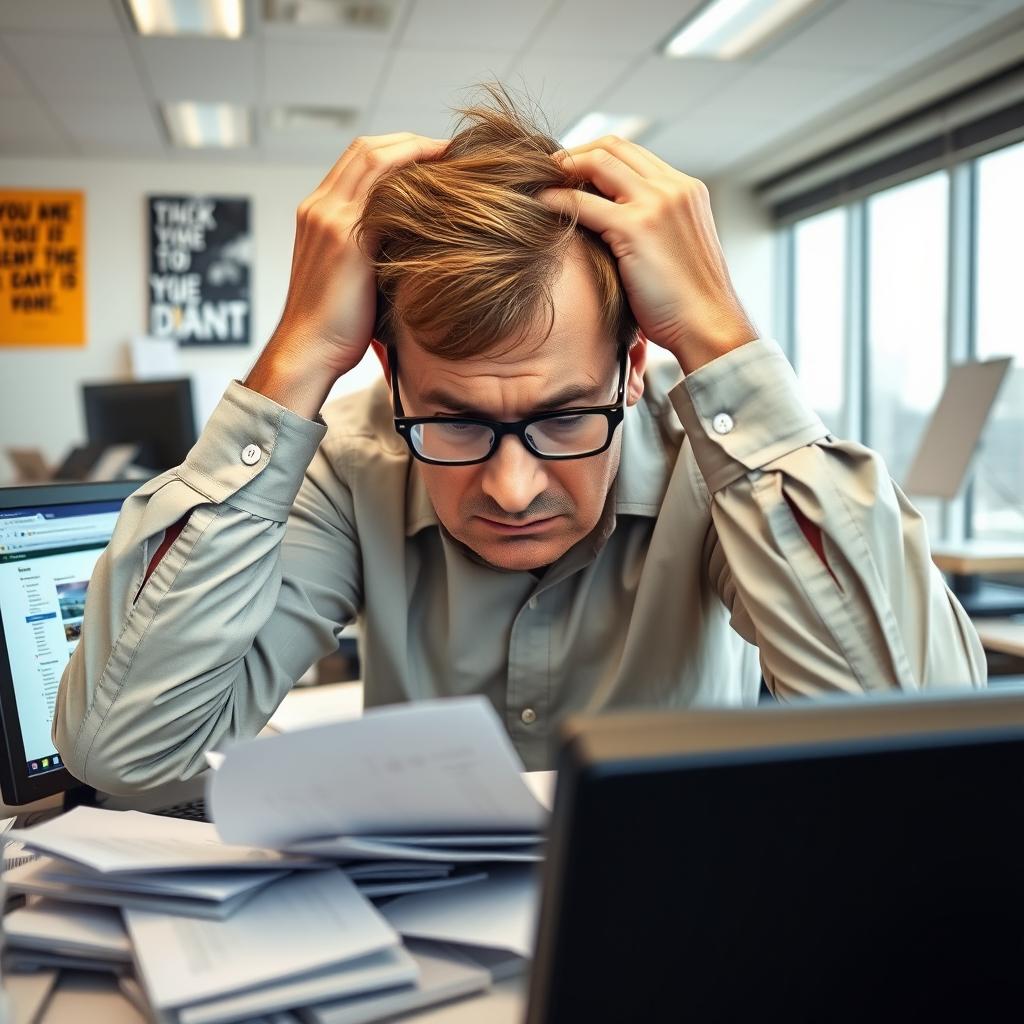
[[565, 87], [59, 16], [124, 126], [450, 24], [771, 95], [321, 74], [862, 34], [12, 82], [439, 78], [26, 127], [201, 69], [662, 87], [83, 66], [609, 27], [435, 123]]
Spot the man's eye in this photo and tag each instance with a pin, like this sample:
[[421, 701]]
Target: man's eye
[[564, 422]]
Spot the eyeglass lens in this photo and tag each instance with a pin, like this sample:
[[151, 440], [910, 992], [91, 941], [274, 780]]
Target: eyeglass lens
[[466, 442]]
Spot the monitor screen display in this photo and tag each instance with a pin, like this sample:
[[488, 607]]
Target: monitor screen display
[[47, 555]]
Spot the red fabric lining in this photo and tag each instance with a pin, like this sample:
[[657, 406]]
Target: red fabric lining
[[171, 534], [813, 535]]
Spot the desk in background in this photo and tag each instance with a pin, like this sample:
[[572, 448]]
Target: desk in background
[[967, 562]]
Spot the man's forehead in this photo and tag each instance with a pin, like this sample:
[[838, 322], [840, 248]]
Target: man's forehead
[[519, 380]]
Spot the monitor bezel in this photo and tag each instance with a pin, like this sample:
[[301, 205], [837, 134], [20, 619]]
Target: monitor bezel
[[17, 787]]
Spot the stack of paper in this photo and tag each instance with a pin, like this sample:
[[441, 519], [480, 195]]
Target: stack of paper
[[130, 859], [306, 939], [269, 909], [49, 933]]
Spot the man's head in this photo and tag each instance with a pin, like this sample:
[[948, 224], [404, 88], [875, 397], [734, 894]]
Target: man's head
[[495, 307]]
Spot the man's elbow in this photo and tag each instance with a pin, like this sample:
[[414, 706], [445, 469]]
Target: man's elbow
[[111, 768]]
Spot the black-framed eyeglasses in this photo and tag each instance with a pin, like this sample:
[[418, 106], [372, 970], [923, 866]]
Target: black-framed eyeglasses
[[575, 433]]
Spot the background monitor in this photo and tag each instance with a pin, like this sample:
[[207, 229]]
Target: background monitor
[[841, 860], [50, 539], [951, 437], [156, 414]]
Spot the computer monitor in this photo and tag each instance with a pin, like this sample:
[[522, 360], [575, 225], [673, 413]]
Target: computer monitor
[[50, 539], [841, 860], [156, 414], [954, 430]]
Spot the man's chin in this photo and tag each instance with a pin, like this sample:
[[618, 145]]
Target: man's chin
[[519, 554]]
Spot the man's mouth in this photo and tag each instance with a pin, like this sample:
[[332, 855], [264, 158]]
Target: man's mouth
[[516, 528]]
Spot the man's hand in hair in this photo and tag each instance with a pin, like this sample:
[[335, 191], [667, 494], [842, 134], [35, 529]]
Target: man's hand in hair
[[328, 317], [658, 223]]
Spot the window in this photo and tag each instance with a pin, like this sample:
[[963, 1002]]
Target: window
[[819, 314], [998, 494], [906, 344]]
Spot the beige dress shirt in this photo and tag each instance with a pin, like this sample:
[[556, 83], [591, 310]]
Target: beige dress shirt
[[698, 547]]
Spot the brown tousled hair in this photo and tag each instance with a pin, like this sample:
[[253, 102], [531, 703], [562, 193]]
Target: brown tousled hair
[[466, 254]]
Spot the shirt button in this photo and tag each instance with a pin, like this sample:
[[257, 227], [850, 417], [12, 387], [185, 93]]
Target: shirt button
[[251, 454], [529, 716], [532, 602], [722, 423]]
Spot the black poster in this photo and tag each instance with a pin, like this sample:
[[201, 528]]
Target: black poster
[[200, 270]]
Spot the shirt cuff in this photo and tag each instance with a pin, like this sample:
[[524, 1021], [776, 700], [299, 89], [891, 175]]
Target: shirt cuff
[[742, 411], [252, 454]]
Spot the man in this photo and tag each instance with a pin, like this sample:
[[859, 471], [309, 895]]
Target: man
[[518, 509]]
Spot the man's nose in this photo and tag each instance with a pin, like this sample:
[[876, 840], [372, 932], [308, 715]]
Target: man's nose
[[513, 477]]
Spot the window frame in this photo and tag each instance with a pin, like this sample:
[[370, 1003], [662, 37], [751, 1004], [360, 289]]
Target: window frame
[[957, 516]]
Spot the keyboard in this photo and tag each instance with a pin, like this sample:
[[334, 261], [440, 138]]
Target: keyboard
[[193, 810]]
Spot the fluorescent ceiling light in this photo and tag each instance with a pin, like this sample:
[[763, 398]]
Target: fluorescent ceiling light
[[593, 126], [224, 19], [207, 125], [366, 15], [313, 120], [727, 29]]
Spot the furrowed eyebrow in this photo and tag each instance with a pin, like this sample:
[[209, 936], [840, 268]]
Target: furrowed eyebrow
[[568, 396]]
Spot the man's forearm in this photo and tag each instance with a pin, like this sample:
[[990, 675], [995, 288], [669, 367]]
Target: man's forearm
[[297, 377]]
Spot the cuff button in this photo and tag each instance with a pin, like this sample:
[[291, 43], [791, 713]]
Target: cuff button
[[722, 423], [251, 454]]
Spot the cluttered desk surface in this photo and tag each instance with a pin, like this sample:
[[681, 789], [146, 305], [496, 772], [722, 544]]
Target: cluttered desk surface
[[412, 891]]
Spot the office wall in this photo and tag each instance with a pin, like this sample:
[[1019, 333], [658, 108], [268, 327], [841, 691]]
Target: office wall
[[39, 388], [749, 243]]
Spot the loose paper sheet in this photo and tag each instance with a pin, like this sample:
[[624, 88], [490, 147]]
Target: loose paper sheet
[[499, 912], [128, 841], [431, 766], [302, 924]]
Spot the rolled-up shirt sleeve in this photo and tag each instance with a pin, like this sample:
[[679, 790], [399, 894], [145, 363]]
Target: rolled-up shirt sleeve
[[181, 652], [823, 562]]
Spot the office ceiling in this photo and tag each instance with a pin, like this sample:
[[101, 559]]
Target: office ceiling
[[76, 80]]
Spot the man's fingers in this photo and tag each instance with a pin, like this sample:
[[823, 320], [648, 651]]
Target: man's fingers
[[354, 152], [362, 172], [639, 159], [593, 212], [612, 175]]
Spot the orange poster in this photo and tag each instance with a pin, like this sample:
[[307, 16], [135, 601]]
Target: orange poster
[[42, 268]]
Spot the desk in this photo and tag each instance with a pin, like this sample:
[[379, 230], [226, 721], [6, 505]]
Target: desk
[[1003, 635], [84, 997], [979, 557], [967, 562]]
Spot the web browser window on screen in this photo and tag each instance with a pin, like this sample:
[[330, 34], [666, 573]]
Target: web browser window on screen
[[46, 559]]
